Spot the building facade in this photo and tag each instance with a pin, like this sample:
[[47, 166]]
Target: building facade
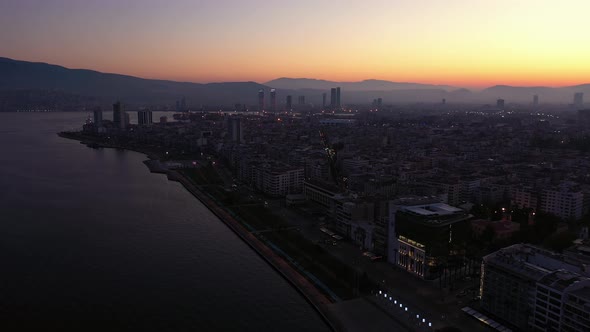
[[535, 289]]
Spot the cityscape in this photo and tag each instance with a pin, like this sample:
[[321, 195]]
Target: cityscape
[[484, 207], [224, 192]]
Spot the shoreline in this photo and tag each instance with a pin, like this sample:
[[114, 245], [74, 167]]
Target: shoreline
[[303, 286]]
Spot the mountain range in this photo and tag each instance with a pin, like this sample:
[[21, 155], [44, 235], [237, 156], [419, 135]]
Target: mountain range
[[36, 85]]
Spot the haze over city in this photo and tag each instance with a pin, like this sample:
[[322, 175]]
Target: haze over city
[[343, 166], [472, 44]]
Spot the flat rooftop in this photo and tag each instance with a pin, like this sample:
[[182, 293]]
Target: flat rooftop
[[435, 209], [534, 262]]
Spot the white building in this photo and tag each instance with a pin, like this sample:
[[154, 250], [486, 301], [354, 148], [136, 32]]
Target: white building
[[564, 202], [535, 289], [277, 180]]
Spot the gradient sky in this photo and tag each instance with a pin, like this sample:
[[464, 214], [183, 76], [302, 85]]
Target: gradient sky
[[471, 43]]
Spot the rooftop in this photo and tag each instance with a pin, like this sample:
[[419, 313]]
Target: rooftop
[[534, 263]]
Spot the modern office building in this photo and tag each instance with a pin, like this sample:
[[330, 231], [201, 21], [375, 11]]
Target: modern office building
[[273, 100], [422, 234], [301, 100], [120, 117], [289, 102], [535, 289], [333, 97], [536, 100], [579, 100], [324, 100], [97, 117], [144, 117], [236, 129], [500, 103], [261, 100]]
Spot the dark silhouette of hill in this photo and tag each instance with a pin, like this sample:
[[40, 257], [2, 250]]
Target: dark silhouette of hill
[[42, 85], [33, 76]]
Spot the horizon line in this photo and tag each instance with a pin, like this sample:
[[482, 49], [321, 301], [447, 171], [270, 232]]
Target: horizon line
[[458, 87]]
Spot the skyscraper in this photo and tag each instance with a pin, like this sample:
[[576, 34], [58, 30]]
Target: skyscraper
[[289, 102], [536, 100], [261, 100], [183, 106], [579, 100], [237, 134], [273, 100], [301, 100], [500, 103], [338, 104], [144, 117], [119, 115], [333, 97], [324, 100], [97, 117]]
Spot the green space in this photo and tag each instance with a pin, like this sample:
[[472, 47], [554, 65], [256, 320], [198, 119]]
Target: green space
[[205, 175], [304, 254], [337, 276], [259, 217]]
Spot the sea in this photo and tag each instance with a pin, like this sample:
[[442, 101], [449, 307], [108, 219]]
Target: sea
[[90, 240]]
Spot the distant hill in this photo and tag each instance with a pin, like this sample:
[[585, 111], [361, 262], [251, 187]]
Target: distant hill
[[366, 85], [44, 86], [33, 76]]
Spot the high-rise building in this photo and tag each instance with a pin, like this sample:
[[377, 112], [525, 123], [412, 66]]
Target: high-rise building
[[338, 104], [421, 234], [289, 102], [183, 106], [261, 100], [301, 100], [237, 133], [333, 97], [144, 117], [579, 100], [273, 100], [535, 289], [97, 117], [324, 100], [500, 103], [119, 119], [536, 100]]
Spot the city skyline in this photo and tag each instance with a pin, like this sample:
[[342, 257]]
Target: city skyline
[[474, 45]]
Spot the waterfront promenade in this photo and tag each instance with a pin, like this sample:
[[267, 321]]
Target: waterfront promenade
[[308, 290], [339, 316]]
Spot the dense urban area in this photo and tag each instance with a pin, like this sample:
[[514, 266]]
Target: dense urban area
[[440, 216]]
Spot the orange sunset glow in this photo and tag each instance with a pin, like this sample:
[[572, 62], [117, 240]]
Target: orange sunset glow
[[461, 43]]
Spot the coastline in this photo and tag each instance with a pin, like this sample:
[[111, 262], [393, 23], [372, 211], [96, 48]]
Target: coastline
[[311, 294]]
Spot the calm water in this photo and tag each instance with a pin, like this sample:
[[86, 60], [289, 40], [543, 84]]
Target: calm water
[[90, 240]]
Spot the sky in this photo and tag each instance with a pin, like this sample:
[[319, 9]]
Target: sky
[[470, 43]]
